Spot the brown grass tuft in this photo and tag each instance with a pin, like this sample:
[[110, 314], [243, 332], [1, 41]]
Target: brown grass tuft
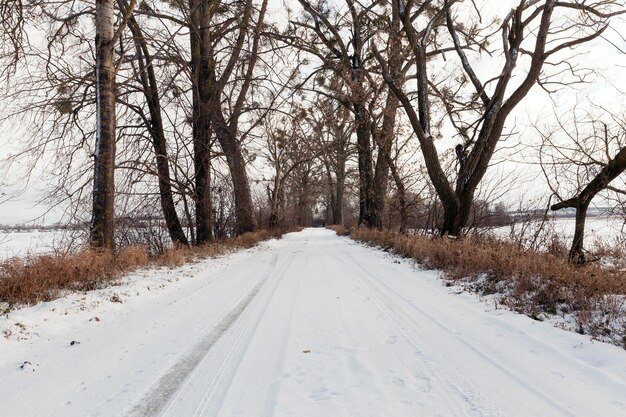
[[174, 256], [339, 229], [30, 280], [133, 257]]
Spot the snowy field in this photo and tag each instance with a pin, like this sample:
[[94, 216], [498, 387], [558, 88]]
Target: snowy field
[[40, 242], [607, 229], [309, 325], [35, 242]]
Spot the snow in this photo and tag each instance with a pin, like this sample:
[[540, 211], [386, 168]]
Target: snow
[[32, 242], [605, 229], [308, 325]]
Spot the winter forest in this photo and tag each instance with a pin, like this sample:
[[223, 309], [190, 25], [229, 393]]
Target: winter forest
[[483, 139]]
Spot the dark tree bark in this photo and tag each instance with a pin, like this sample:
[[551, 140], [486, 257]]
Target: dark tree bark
[[338, 198], [227, 129], [366, 171], [341, 131], [149, 84], [336, 164], [401, 190], [384, 137], [380, 181], [303, 197], [276, 200], [244, 209], [200, 40]]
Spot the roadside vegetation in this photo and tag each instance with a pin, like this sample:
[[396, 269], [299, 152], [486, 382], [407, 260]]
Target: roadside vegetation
[[590, 299], [29, 280]]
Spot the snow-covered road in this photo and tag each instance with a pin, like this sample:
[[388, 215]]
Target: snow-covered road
[[309, 325]]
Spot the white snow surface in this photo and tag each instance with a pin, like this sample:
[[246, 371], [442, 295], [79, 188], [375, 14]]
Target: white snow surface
[[308, 325], [34, 242]]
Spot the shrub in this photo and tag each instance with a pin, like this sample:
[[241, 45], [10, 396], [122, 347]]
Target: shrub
[[30, 280], [339, 229]]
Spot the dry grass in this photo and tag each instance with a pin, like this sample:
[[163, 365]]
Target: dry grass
[[531, 283], [132, 257], [177, 256], [339, 229], [25, 281], [30, 280]]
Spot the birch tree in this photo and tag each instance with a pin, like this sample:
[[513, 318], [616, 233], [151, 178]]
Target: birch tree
[[103, 215]]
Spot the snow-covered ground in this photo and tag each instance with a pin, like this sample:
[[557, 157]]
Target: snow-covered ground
[[605, 229], [32, 242], [309, 325]]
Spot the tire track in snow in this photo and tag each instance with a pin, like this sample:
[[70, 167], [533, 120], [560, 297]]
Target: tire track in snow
[[156, 401], [544, 346], [215, 277], [485, 357], [393, 301], [470, 403], [235, 344], [208, 279]]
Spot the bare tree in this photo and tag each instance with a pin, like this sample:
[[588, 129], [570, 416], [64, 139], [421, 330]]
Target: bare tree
[[584, 161], [333, 131], [226, 130], [154, 124], [286, 148], [220, 61], [339, 41], [537, 30]]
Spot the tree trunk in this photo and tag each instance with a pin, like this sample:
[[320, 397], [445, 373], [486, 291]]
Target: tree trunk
[[581, 202], [379, 190], [202, 167], [273, 220], [456, 202], [200, 39], [331, 198], [244, 209], [456, 215], [381, 175], [303, 197], [157, 133], [275, 202], [364, 150], [404, 217], [103, 216], [338, 206], [387, 131], [576, 253], [451, 220], [401, 192]]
